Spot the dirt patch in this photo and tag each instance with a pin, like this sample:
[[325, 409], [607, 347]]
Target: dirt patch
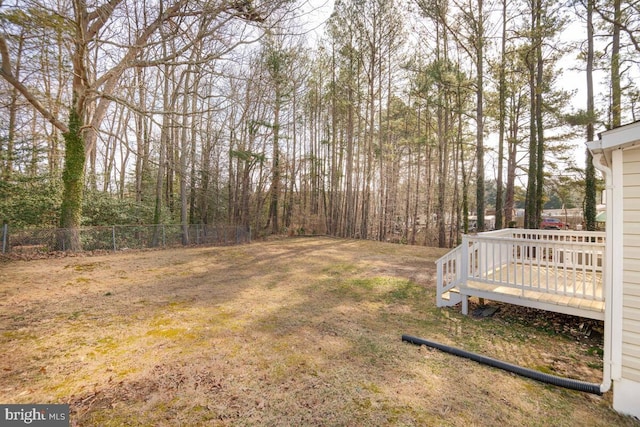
[[301, 331]]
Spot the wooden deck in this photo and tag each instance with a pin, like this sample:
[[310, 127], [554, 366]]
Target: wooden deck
[[545, 289], [492, 267]]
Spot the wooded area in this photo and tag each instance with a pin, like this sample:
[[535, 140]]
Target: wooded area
[[399, 122]]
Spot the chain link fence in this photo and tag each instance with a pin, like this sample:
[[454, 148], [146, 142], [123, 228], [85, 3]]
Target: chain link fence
[[122, 237]]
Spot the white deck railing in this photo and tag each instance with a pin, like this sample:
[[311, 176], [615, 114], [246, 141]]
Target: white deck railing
[[449, 275], [566, 263]]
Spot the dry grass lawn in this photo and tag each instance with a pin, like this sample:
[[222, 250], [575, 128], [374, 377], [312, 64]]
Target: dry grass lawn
[[302, 331]]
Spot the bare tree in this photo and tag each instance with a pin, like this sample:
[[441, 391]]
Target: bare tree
[[95, 80]]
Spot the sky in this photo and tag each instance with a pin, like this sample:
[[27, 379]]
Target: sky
[[314, 14]]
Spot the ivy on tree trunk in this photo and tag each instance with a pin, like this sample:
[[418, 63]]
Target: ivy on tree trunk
[[73, 184]]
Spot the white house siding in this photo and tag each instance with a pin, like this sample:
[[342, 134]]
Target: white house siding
[[631, 266]]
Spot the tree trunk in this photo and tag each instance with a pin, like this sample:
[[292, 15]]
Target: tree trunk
[[73, 184], [162, 149], [590, 210], [480, 119], [530, 208], [616, 90], [275, 172], [539, 120], [502, 89], [184, 158]]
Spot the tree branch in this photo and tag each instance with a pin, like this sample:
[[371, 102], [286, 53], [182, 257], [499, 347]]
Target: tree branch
[[100, 16], [7, 75], [127, 59], [630, 31]]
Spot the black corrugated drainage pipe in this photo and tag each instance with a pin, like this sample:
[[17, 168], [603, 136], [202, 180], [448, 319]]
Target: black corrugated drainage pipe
[[525, 372]]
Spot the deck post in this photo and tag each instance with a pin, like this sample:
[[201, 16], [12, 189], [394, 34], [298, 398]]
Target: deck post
[[464, 273], [465, 304], [464, 265], [439, 284]]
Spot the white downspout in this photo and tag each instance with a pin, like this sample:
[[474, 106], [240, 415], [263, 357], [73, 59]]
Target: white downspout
[[607, 274]]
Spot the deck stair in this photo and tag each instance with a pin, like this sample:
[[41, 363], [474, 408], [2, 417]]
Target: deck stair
[[553, 270]]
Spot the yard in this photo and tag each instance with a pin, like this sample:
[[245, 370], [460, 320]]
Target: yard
[[303, 331]]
